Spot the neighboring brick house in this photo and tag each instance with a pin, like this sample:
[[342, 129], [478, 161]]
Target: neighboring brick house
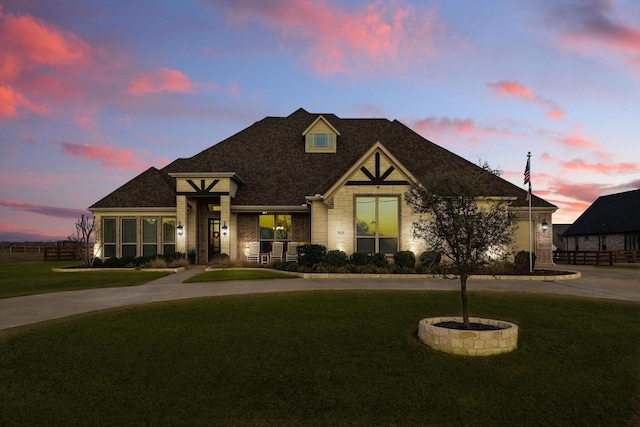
[[611, 223], [306, 178]]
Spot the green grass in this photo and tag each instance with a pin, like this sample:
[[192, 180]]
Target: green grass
[[326, 359], [27, 274], [225, 275]]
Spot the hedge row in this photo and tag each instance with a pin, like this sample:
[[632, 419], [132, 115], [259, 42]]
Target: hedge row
[[135, 262]]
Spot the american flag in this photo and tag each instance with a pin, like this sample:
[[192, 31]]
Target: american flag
[[527, 174]]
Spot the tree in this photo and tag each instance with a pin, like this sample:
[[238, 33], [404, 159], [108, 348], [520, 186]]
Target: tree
[[85, 226], [459, 220]]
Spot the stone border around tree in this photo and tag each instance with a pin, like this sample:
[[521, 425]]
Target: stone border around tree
[[469, 342]]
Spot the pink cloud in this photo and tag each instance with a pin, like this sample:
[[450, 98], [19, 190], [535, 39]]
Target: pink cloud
[[380, 35], [28, 45], [109, 157], [508, 88], [468, 129], [581, 165], [598, 26], [43, 210], [444, 125], [575, 141], [512, 88], [28, 138], [85, 123], [12, 233], [11, 102], [28, 42], [162, 80]]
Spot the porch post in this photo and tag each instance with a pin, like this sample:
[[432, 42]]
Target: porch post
[[225, 218], [181, 219]]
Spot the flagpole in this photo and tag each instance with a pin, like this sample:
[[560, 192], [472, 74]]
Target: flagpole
[[528, 178]]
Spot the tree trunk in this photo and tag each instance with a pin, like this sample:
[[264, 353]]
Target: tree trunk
[[465, 308]]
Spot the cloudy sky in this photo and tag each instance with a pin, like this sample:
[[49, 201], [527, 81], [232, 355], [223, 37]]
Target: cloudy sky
[[94, 92]]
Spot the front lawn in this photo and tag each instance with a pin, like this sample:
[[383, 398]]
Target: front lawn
[[323, 359], [23, 275]]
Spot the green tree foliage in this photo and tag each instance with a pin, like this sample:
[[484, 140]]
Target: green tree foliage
[[459, 221]]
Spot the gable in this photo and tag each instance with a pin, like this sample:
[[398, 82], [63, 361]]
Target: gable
[[375, 168], [320, 137]]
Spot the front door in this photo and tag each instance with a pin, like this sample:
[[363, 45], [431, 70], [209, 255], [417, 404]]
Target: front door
[[214, 238]]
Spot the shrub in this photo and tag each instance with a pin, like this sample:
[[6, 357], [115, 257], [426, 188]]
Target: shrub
[[141, 261], [158, 263], [359, 258], [430, 260], [191, 256], [128, 261], [97, 262], [181, 262], [522, 261], [112, 262], [336, 258], [379, 260], [404, 260], [309, 255]]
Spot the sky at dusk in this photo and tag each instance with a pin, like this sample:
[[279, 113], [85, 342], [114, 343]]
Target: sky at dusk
[[94, 92]]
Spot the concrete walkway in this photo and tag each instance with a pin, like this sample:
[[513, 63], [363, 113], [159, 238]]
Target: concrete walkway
[[20, 311]]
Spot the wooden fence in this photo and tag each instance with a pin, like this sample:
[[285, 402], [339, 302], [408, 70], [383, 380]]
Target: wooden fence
[[583, 257], [626, 256], [595, 257], [13, 249], [62, 253]]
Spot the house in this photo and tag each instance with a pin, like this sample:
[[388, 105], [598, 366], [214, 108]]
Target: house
[[305, 178], [611, 223]]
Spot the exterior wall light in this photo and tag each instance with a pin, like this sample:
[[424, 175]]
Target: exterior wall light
[[180, 229], [545, 226], [225, 229]]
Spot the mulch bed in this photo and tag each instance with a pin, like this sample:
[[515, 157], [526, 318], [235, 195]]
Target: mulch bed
[[473, 326]]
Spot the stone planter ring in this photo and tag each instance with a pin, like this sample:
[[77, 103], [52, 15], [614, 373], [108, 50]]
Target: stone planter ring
[[469, 342]]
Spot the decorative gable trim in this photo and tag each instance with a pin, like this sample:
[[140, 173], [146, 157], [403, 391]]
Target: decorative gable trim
[[375, 177], [206, 184]]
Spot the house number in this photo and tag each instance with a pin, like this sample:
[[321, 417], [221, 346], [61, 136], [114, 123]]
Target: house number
[[340, 232]]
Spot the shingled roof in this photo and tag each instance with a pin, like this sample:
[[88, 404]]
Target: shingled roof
[[612, 214], [151, 189], [270, 158]]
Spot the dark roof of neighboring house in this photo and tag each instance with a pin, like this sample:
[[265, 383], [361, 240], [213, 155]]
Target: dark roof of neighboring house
[[269, 156], [612, 214]]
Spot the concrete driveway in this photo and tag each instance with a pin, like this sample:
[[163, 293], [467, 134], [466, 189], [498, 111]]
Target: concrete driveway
[[617, 284]]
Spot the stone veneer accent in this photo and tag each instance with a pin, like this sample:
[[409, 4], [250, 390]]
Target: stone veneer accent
[[469, 343]]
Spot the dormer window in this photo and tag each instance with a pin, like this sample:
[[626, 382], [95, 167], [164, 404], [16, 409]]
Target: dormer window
[[320, 137], [320, 140]]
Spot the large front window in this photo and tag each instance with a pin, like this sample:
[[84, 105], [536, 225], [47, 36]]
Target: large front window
[[168, 235], [129, 237], [109, 237], [149, 236], [274, 228], [377, 224]]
